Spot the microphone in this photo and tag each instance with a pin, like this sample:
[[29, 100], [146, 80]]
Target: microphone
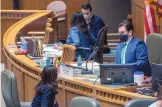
[[86, 71], [92, 55]]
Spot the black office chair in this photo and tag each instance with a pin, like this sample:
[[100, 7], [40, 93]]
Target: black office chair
[[99, 44], [9, 90], [98, 48]]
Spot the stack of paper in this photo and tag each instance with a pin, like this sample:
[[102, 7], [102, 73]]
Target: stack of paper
[[51, 51]]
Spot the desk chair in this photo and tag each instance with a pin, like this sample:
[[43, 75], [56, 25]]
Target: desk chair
[[48, 37], [41, 33], [99, 45], [58, 7], [9, 90], [154, 43], [140, 102], [84, 102], [59, 10], [50, 34], [69, 52]]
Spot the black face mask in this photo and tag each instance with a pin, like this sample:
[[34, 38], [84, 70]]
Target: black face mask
[[123, 37]]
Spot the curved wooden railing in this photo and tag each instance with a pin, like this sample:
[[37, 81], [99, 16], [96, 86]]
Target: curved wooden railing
[[8, 18], [28, 73]]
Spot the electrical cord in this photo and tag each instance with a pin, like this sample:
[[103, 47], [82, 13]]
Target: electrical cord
[[96, 80]]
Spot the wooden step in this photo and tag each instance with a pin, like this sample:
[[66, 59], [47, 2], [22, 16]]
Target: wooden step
[[113, 48], [113, 40], [113, 36], [112, 45]]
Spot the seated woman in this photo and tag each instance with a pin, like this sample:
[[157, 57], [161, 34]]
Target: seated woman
[[47, 88], [79, 36]]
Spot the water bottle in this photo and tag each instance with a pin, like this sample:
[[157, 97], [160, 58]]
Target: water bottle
[[79, 61], [43, 62], [58, 68]]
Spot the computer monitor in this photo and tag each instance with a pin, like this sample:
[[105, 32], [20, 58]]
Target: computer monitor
[[117, 73], [156, 76]]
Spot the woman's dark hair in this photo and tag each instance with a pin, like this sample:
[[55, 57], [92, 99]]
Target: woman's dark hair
[[86, 7], [48, 79], [128, 25], [78, 20]]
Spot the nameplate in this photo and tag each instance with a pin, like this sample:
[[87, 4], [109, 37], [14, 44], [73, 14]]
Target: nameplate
[[66, 71]]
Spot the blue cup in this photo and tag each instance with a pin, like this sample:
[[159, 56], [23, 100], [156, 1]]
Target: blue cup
[[23, 46], [45, 62], [48, 61]]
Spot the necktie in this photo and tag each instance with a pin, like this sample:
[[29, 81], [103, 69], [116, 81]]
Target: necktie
[[122, 52]]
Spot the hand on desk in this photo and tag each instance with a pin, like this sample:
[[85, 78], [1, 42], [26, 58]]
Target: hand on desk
[[148, 80]]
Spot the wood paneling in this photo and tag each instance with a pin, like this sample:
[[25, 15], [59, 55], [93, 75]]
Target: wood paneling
[[161, 26], [8, 18], [30, 84], [34, 4], [108, 104], [5, 24], [138, 19], [60, 97], [7, 4], [8, 65], [69, 96], [20, 82], [73, 6]]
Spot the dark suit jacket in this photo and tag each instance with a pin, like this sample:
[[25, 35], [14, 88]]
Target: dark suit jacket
[[45, 98], [136, 53], [96, 24]]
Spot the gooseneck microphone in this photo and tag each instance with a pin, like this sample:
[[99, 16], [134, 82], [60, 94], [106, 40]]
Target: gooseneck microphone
[[86, 71]]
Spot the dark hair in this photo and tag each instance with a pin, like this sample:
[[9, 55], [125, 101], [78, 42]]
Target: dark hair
[[86, 7], [78, 20], [48, 79], [128, 25]]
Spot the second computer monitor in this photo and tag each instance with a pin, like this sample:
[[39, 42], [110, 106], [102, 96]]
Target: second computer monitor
[[117, 73]]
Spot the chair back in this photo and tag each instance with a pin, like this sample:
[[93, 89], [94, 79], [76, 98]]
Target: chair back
[[69, 52], [84, 102], [154, 43], [140, 102], [100, 42], [48, 37], [57, 7], [9, 89]]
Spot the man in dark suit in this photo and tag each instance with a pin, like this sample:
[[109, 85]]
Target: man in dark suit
[[131, 50], [94, 22]]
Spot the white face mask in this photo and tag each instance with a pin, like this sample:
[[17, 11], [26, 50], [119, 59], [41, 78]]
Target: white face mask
[[86, 17]]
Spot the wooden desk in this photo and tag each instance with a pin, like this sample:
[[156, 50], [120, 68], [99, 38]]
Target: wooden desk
[[8, 18], [28, 74]]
